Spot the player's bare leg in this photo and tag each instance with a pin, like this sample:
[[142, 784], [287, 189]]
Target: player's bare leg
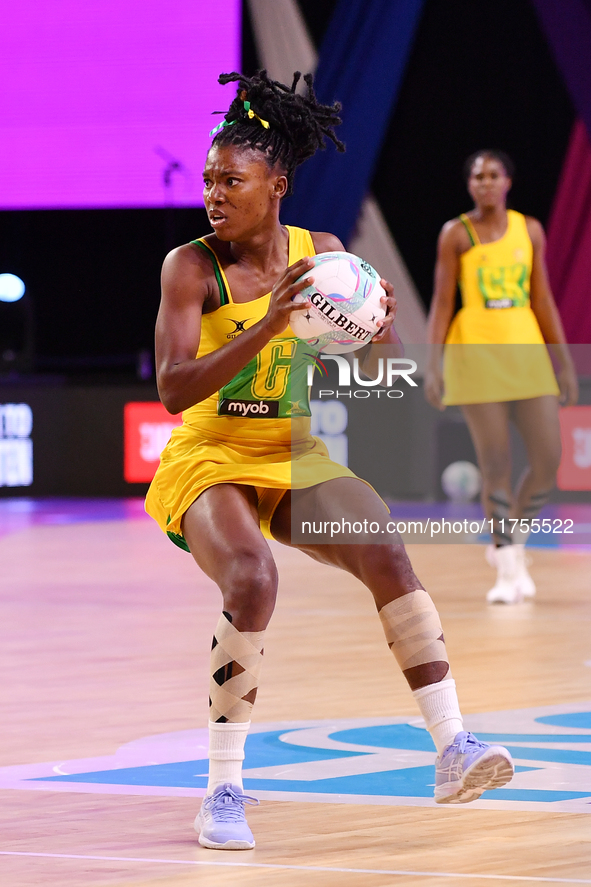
[[539, 425], [489, 429], [465, 767], [222, 531]]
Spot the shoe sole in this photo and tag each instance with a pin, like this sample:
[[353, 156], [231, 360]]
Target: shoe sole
[[215, 845], [516, 598], [504, 602], [501, 602], [492, 770], [229, 845]]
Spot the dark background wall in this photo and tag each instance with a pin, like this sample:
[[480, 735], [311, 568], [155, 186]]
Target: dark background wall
[[94, 278], [480, 74]]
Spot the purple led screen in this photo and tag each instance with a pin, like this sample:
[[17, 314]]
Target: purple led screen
[[107, 103]]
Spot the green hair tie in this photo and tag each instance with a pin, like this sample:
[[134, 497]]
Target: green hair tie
[[249, 113], [220, 126]]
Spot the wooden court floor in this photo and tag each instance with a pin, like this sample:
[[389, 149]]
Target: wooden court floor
[[105, 632]]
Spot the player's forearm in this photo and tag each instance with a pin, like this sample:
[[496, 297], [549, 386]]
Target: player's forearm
[[181, 385], [551, 326], [561, 352], [553, 332], [369, 357], [438, 323], [437, 327]]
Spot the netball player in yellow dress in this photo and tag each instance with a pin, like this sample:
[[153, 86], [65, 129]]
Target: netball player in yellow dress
[[497, 365], [226, 357]]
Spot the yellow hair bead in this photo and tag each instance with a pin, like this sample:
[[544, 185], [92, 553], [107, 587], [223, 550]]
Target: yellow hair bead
[[252, 114]]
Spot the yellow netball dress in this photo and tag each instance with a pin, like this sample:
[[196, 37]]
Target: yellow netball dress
[[256, 429], [495, 350]]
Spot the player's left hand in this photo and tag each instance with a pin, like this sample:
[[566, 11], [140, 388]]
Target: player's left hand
[[390, 304], [568, 384]]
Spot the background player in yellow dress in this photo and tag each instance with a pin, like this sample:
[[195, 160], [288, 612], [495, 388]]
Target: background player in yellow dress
[[226, 357], [497, 365]]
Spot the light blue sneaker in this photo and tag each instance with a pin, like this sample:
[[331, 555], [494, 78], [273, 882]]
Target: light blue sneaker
[[221, 823], [468, 767]]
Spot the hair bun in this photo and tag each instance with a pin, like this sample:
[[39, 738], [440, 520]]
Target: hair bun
[[273, 118]]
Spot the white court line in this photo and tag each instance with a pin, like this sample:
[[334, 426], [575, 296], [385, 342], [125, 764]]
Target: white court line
[[302, 868]]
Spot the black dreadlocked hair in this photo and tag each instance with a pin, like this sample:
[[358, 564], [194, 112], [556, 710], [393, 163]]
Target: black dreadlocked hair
[[298, 124], [500, 156]]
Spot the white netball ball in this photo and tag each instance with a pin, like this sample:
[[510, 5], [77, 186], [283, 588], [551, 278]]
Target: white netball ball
[[461, 481], [346, 305]]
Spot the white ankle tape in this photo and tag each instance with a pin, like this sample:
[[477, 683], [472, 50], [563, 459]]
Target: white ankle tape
[[227, 689], [413, 630]]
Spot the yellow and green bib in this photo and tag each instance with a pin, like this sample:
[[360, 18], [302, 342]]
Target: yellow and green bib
[[495, 287]]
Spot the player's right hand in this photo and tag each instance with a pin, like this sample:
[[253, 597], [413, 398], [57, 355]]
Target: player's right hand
[[281, 304]]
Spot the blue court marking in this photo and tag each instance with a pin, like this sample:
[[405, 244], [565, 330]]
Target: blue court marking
[[539, 795], [266, 749], [504, 738], [412, 782], [188, 774], [580, 720], [409, 782], [409, 737], [552, 755], [261, 750], [389, 736]]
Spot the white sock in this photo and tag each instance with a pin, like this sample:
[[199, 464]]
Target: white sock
[[441, 712], [226, 754]]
